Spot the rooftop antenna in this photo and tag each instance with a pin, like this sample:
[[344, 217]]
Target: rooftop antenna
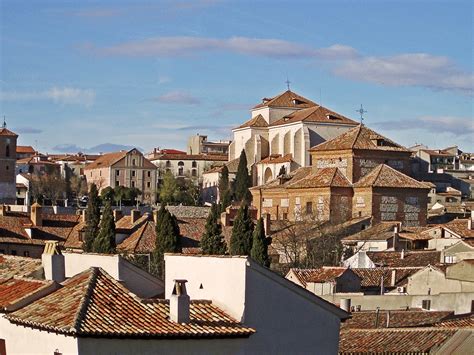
[[361, 112], [287, 82], [4, 125]]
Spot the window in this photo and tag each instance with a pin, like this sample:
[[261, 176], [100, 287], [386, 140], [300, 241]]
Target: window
[[26, 253], [149, 173], [7, 150], [148, 184], [168, 163], [133, 183], [426, 304], [194, 172], [133, 172], [133, 162], [117, 172], [3, 347], [449, 259], [194, 164], [285, 216], [7, 167], [117, 183], [309, 207], [180, 168]]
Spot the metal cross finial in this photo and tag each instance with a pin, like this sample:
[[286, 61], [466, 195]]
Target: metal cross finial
[[361, 112], [288, 82], [4, 122]]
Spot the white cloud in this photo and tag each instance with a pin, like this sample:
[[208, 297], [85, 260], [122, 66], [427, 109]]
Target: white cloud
[[177, 97], [416, 69], [65, 95], [458, 126]]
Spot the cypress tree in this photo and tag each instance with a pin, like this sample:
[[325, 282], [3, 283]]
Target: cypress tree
[[243, 180], [92, 219], [241, 239], [167, 239], [225, 195], [105, 241], [212, 241], [259, 250]]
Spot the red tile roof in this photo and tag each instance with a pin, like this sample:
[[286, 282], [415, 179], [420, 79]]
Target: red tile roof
[[459, 227], [360, 137], [92, 303], [380, 231], [286, 99], [6, 132], [385, 176], [392, 341], [22, 149], [457, 321], [318, 114], [276, 159], [257, 121], [327, 177], [319, 275], [15, 289], [410, 259], [205, 157], [291, 178], [19, 266], [372, 277]]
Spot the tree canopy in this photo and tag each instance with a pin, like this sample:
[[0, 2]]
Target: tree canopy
[[243, 180], [241, 239], [212, 241], [104, 243], [92, 218], [260, 244]]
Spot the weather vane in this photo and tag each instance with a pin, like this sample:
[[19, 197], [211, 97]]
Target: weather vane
[[287, 82], [361, 112]]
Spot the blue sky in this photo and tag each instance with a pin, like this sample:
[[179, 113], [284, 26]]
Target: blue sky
[[149, 74]]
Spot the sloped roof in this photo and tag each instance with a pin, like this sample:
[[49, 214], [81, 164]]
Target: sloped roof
[[286, 99], [19, 266], [411, 258], [457, 321], [276, 159], [385, 176], [380, 231], [7, 132], [94, 303], [360, 137], [459, 227], [316, 113], [372, 277], [292, 177], [326, 177], [257, 121], [319, 275], [13, 290], [25, 149], [106, 160]]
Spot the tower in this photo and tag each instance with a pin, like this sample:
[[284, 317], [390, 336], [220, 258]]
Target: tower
[[7, 165]]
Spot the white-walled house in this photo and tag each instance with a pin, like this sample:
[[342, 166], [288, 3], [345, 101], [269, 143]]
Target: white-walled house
[[287, 318]]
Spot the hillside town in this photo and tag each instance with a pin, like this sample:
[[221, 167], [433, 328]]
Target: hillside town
[[306, 232]]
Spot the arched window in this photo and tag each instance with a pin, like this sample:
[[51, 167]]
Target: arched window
[[7, 150], [168, 163], [194, 164], [180, 168]]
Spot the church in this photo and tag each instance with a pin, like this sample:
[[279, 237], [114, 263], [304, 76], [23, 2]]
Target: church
[[281, 131]]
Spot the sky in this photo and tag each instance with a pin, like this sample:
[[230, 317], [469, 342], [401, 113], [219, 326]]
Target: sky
[[90, 74]]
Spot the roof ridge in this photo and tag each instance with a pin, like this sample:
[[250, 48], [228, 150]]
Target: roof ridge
[[359, 127], [82, 310]]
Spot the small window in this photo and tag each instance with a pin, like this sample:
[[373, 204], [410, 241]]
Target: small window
[[309, 207], [426, 304], [285, 216], [133, 183], [133, 172], [449, 259], [26, 253], [148, 184], [7, 150], [133, 162], [7, 167], [117, 172], [194, 164], [149, 173], [194, 172]]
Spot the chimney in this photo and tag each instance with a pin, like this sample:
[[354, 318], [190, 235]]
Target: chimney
[[402, 254], [382, 286], [377, 315], [179, 302], [469, 221], [117, 215], [134, 215], [396, 230], [3, 210], [388, 319], [155, 216], [345, 304], [266, 223], [53, 262], [83, 216], [393, 281], [36, 214]]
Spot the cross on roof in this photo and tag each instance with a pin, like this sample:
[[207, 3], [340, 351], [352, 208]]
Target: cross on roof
[[4, 125], [361, 112], [288, 82]]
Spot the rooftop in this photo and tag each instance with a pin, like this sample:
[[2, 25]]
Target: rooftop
[[385, 176], [286, 99], [316, 114], [319, 275], [13, 290], [326, 177], [18, 266], [257, 121], [410, 258]]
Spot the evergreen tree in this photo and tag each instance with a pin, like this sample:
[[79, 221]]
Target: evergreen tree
[[212, 241], [92, 218], [260, 243], [168, 188], [225, 194], [167, 239], [243, 180], [241, 239], [105, 241]]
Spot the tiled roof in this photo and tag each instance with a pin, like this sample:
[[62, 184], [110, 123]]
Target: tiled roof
[[326, 177], [319, 275], [385, 176], [257, 121], [291, 178], [189, 211], [286, 99], [380, 231], [460, 227], [18, 266], [392, 341], [22, 149], [317, 114], [92, 303], [440, 153], [396, 319], [372, 277], [276, 159], [7, 132], [410, 259], [13, 290], [107, 160], [457, 321], [360, 137], [205, 157]]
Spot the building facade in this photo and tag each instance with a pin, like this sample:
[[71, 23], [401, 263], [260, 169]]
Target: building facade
[[8, 141]]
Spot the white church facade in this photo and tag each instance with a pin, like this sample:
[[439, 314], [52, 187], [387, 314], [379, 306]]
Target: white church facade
[[281, 131]]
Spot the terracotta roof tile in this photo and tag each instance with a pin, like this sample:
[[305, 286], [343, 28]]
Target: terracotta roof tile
[[372, 277], [14, 289], [205, 157], [319, 275], [257, 121], [460, 227], [457, 321], [385, 176], [380, 231], [286, 99], [107, 160], [276, 159], [317, 114], [7, 132], [326, 177], [93, 303], [410, 259], [360, 137], [18, 266], [22, 149]]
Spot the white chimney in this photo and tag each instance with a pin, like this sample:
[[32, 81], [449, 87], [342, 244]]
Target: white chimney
[[53, 262], [402, 254], [179, 302], [393, 281], [469, 221]]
